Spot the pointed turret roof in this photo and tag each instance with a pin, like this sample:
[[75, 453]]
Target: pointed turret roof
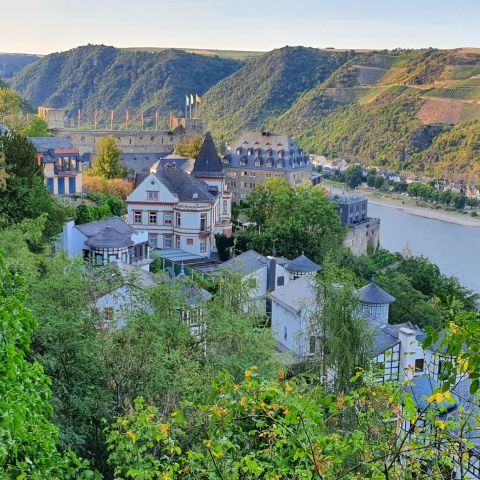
[[373, 294], [302, 264], [208, 162]]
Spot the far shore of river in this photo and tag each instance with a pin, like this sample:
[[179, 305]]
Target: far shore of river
[[407, 205]]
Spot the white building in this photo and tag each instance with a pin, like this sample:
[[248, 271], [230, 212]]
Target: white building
[[180, 210], [106, 241]]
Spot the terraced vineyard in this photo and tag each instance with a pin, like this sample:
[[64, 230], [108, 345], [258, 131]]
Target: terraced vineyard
[[437, 111], [459, 93]]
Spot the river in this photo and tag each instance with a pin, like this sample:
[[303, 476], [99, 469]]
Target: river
[[454, 248]]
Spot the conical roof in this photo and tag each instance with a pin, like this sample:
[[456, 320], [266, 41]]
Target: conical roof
[[208, 161], [302, 264], [373, 294]]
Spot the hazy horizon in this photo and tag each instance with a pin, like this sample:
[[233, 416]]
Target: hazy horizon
[[259, 25]]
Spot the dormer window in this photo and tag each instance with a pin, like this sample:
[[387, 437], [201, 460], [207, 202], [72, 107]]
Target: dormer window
[[269, 152], [239, 150], [280, 164], [258, 151], [269, 163], [226, 160], [281, 153], [243, 161], [250, 151], [258, 162]]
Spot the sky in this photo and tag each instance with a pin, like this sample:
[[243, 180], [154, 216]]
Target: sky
[[46, 26]]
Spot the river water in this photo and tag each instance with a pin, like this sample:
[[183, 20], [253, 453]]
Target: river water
[[454, 248]]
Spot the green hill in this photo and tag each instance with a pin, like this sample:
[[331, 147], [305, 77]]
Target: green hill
[[265, 87], [12, 63], [233, 54], [101, 77]]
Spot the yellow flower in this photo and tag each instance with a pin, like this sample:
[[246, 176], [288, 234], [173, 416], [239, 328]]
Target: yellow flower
[[254, 368], [236, 388], [243, 401], [164, 429], [288, 388], [440, 424], [248, 374], [131, 436]]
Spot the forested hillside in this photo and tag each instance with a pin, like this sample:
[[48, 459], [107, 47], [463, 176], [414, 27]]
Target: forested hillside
[[394, 108], [12, 63], [100, 77], [266, 87]]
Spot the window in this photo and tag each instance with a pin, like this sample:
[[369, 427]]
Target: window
[[203, 222], [257, 162], [167, 241], [152, 218], [233, 183], [419, 364], [203, 245], [285, 333], [244, 184], [225, 209], [152, 239], [167, 219], [179, 219], [244, 174], [189, 241], [152, 195], [253, 174], [252, 185], [312, 345], [177, 241], [243, 196], [99, 259], [280, 281], [137, 217]]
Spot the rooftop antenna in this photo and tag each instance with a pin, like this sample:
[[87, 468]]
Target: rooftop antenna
[[274, 251]]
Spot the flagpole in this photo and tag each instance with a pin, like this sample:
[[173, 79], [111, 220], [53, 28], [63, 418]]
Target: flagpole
[[190, 107], [142, 120], [186, 106], [111, 120], [95, 120]]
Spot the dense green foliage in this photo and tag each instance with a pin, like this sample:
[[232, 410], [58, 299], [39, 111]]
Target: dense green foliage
[[25, 194], [291, 220], [37, 127], [100, 77]]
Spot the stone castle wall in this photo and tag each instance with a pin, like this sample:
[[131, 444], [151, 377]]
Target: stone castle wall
[[362, 236]]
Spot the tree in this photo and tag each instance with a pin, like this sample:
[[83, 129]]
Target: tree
[[29, 440], [371, 180], [379, 182], [343, 339], [223, 244], [21, 157], [353, 176], [37, 127], [190, 147], [10, 103], [299, 220], [106, 162]]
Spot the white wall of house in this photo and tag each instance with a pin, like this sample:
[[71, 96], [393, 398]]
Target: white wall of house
[[71, 240]]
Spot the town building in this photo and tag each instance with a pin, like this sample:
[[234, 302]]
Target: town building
[[180, 210], [396, 349], [257, 156], [61, 165], [265, 273], [55, 117], [106, 241], [127, 295], [363, 234]]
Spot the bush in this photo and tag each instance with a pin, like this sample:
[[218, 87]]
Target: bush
[[473, 214]]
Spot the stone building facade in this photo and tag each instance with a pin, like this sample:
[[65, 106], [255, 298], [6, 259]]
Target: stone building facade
[[363, 231], [257, 156]]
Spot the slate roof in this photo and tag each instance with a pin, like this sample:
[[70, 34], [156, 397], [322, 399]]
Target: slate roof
[[385, 336], [302, 264], [297, 294], [173, 161], [140, 162], [208, 161], [110, 238], [44, 144], [257, 149], [185, 186], [373, 294], [116, 223], [247, 262]]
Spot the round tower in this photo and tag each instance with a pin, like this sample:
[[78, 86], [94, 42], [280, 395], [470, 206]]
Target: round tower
[[375, 302]]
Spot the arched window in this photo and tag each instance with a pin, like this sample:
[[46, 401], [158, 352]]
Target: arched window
[[239, 150], [269, 163], [243, 161], [258, 162]]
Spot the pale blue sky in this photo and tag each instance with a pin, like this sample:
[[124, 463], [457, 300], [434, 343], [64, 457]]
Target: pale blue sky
[[44, 26]]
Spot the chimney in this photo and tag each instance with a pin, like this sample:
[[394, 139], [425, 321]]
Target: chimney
[[408, 347], [271, 274]]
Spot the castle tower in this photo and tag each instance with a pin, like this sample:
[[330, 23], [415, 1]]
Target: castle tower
[[301, 266]]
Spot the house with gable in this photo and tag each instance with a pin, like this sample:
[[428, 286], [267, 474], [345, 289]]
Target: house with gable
[[180, 210], [61, 164]]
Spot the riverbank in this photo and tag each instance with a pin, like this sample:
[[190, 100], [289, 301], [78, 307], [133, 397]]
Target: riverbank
[[407, 205]]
